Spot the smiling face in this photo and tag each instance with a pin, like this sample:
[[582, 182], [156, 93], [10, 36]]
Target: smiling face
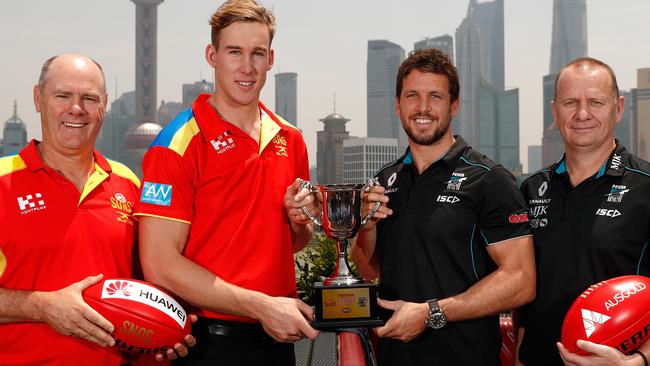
[[241, 61], [586, 108], [72, 103], [425, 108]]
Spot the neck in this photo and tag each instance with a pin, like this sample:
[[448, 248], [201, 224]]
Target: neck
[[425, 155], [76, 167], [582, 164], [246, 117]]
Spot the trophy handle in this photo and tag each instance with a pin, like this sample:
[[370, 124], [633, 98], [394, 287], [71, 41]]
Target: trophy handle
[[310, 188], [371, 183]]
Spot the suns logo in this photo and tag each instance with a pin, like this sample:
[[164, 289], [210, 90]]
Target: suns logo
[[119, 287]]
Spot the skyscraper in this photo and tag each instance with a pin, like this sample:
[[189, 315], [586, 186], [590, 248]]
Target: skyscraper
[[146, 59], [488, 117], [384, 59], [329, 154], [14, 134], [479, 57], [286, 96], [444, 43], [534, 158], [625, 129], [569, 38], [568, 42]]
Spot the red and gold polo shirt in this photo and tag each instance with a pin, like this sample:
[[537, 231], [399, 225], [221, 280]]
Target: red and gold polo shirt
[[53, 236], [206, 172]]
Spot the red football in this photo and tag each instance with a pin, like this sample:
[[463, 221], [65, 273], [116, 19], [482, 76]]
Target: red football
[[146, 319], [614, 312]]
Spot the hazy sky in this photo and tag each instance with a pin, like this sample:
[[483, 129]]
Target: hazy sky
[[324, 41]]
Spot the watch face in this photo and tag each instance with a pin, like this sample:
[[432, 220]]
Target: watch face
[[437, 320]]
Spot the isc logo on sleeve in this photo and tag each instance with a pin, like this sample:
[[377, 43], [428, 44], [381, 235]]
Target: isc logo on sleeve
[[156, 194]]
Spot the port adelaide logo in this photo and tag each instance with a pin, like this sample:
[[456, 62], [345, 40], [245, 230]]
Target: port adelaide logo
[[456, 181], [615, 195]]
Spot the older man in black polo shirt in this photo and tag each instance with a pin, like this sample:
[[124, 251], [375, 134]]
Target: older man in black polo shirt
[[454, 246], [590, 214]]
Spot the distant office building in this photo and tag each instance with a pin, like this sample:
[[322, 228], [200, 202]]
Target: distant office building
[[137, 141], [329, 154], [384, 59], [286, 96], [642, 113], [499, 126], [568, 42], [168, 111], [534, 158], [625, 129], [480, 60], [14, 134], [119, 118], [363, 157], [569, 39], [191, 91], [443, 43]]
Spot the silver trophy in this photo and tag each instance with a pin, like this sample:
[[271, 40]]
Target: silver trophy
[[340, 218]]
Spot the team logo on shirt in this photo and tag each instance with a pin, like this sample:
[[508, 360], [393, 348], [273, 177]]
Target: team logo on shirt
[[31, 203], [517, 218], [280, 144], [156, 194], [455, 181], [616, 193], [224, 142], [124, 208]]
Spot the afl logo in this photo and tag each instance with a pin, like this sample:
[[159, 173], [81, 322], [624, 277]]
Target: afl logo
[[392, 179]]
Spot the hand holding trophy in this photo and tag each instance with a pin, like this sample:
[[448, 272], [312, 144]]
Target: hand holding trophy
[[342, 299]]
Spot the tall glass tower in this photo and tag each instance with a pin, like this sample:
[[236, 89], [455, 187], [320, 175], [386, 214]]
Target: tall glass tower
[[286, 96], [384, 59]]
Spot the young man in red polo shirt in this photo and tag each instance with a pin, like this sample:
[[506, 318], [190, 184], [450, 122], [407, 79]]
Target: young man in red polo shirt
[[220, 213]]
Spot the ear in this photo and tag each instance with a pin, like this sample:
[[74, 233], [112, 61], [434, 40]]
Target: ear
[[37, 98], [620, 107], [271, 59], [554, 111], [397, 109], [210, 55], [454, 107]]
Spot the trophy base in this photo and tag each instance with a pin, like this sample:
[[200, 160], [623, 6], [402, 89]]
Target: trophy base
[[346, 306]]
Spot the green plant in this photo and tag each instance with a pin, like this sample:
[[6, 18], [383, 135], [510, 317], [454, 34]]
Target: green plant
[[314, 264]]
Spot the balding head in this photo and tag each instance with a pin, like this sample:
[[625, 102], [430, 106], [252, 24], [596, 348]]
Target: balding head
[[76, 59], [588, 64]]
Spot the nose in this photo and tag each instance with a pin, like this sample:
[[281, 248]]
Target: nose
[[583, 113], [424, 105], [76, 105], [246, 65]]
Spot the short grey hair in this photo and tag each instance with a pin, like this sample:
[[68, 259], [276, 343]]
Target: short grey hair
[[46, 67]]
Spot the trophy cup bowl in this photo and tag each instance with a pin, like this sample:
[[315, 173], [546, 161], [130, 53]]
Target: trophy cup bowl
[[343, 299]]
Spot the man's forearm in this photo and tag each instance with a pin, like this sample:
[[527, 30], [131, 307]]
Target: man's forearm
[[363, 254], [300, 235], [19, 306]]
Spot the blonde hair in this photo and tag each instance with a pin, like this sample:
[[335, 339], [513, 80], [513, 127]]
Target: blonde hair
[[240, 11]]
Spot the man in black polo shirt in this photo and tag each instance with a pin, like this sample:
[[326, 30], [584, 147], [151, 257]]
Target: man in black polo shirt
[[590, 214], [454, 246]]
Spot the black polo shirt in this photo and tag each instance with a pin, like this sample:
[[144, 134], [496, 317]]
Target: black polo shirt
[[583, 235], [434, 246]]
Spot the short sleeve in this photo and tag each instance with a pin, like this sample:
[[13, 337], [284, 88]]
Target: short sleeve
[[504, 214], [167, 189]]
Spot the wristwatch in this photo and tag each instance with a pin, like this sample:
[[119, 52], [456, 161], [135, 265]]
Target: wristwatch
[[437, 318]]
